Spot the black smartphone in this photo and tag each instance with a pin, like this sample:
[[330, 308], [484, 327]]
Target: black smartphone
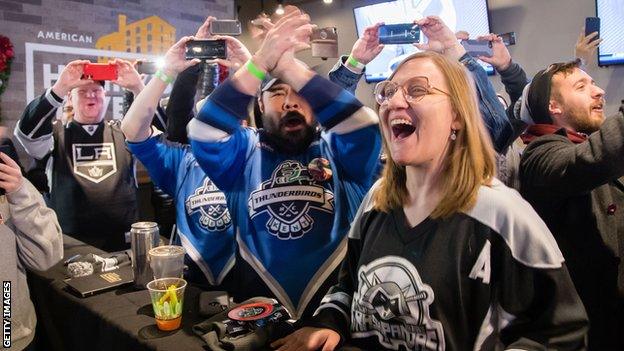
[[225, 27], [146, 67], [592, 24], [206, 49], [478, 48], [403, 33], [508, 38]]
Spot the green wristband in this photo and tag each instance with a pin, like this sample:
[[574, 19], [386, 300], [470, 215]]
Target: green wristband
[[255, 71], [164, 77], [355, 63]]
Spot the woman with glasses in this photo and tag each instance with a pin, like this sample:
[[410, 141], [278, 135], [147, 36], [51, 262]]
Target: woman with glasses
[[441, 255]]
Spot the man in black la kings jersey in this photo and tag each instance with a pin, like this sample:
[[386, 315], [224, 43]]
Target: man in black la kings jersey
[[90, 172]]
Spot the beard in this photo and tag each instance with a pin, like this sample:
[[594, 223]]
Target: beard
[[584, 122], [290, 142]]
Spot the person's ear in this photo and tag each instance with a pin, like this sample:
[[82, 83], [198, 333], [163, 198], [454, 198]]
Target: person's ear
[[554, 108], [260, 104], [456, 124]]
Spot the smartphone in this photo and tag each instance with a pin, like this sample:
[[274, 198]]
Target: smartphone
[[477, 48], [225, 27], [99, 71], [206, 49], [10, 151], [508, 38], [592, 24], [403, 33], [146, 67], [324, 42]]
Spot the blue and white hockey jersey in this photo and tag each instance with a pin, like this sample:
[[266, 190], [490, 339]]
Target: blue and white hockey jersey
[[292, 212], [203, 221]]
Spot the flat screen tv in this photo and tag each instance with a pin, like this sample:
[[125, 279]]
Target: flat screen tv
[[611, 14], [471, 16]]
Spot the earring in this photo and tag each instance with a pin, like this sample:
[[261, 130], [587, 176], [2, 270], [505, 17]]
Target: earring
[[453, 134]]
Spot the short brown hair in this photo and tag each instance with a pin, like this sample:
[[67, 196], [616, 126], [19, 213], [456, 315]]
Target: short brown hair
[[565, 68], [469, 163]]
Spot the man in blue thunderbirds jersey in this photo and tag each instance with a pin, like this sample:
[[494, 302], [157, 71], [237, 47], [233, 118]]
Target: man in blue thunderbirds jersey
[[294, 185]]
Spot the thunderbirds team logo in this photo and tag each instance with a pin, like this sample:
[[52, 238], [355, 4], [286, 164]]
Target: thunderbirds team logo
[[288, 197], [209, 201], [94, 162], [392, 303]]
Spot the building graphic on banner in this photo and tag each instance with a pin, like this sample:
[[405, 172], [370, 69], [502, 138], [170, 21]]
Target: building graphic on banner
[[142, 39], [152, 35], [48, 34]]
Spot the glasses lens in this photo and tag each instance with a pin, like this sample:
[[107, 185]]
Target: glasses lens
[[384, 91], [416, 88]]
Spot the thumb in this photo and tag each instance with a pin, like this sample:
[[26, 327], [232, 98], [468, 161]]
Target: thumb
[[330, 343], [190, 63], [485, 59]]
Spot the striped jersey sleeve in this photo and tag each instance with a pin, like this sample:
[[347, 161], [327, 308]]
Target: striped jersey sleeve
[[34, 129]]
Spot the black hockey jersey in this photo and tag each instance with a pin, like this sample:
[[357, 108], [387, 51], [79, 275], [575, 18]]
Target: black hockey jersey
[[91, 173], [492, 278]]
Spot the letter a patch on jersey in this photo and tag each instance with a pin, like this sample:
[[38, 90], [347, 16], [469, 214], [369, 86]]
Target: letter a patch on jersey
[[481, 268]]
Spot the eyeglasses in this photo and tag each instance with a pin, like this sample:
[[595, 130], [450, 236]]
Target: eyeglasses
[[414, 89]]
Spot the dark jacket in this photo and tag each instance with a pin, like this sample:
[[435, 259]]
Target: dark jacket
[[578, 189]]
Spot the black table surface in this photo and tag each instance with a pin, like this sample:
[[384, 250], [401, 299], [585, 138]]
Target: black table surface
[[119, 319]]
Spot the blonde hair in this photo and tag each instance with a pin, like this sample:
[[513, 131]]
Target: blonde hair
[[469, 162]]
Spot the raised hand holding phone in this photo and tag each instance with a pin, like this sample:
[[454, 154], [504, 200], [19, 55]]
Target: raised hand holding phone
[[500, 57], [439, 38], [237, 53], [175, 57], [367, 47], [127, 76], [70, 77], [10, 174], [587, 41]]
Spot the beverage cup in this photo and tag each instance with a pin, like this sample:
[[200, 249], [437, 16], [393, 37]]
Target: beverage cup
[[167, 295], [167, 261]]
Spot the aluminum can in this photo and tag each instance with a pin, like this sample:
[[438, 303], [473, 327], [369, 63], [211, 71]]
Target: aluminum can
[[144, 236]]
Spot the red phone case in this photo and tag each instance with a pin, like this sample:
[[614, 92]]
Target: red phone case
[[100, 71]]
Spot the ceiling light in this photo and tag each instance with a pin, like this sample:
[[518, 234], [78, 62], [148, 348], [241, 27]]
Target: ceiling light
[[279, 10]]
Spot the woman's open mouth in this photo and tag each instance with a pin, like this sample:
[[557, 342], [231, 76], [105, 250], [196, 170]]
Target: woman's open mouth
[[402, 128]]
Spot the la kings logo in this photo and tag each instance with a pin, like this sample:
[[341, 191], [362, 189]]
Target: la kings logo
[[210, 202], [95, 162], [392, 303], [288, 197]]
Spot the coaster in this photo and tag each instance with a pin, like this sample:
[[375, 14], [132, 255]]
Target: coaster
[[251, 312]]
